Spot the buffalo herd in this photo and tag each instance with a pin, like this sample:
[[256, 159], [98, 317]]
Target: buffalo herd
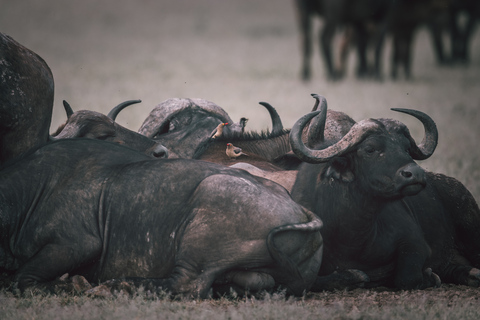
[[367, 24], [329, 204]]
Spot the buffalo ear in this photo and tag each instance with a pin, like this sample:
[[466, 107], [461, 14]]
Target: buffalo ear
[[338, 168]]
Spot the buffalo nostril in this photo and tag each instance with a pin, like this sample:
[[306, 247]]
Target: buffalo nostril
[[160, 152], [406, 174]]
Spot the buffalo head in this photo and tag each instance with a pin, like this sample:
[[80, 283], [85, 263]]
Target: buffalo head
[[185, 125], [377, 154], [94, 125]]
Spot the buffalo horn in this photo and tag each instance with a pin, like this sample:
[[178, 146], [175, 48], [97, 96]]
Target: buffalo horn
[[68, 109], [277, 126], [356, 134], [316, 129], [425, 149], [115, 111]]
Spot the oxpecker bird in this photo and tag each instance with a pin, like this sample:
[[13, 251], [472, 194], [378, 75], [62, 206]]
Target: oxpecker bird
[[234, 152], [218, 130]]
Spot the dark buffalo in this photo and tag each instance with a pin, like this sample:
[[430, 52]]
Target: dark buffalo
[[439, 16], [461, 36], [354, 179], [26, 99], [103, 211], [408, 17], [183, 124], [367, 19], [382, 221], [94, 125]]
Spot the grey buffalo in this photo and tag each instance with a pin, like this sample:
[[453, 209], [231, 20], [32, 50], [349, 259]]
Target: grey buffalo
[[94, 125], [100, 210], [182, 125]]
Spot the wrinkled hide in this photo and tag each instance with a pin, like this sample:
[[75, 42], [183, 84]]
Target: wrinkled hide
[[103, 211]]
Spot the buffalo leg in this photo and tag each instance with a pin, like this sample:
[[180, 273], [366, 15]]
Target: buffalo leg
[[410, 272], [49, 263], [340, 280], [305, 25], [362, 39], [332, 17]]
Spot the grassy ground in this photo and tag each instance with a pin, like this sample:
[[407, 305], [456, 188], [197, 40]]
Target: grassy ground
[[237, 53], [448, 302]]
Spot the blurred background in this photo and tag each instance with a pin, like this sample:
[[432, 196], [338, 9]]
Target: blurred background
[[237, 53]]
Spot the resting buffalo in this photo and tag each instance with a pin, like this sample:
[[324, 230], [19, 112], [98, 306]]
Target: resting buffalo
[[383, 214], [26, 99], [103, 211], [183, 124], [94, 125], [269, 154]]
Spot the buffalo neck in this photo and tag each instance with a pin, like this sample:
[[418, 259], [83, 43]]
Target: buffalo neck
[[349, 212]]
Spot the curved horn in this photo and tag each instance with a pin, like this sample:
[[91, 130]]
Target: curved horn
[[317, 101], [426, 148], [316, 129], [115, 111], [68, 109], [277, 126], [356, 134]]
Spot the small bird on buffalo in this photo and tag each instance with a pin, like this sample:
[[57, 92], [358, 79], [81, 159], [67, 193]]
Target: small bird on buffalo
[[234, 152], [218, 130]]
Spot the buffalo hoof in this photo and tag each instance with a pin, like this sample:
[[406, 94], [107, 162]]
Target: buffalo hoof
[[473, 279], [430, 279], [100, 291], [345, 279], [111, 288], [72, 285]]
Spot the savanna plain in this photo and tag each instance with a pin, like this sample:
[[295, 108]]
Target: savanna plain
[[237, 53]]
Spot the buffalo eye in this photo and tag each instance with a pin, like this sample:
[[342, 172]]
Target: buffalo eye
[[370, 149], [103, 137]]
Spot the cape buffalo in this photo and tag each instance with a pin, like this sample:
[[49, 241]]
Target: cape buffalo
[[182, 125], [101, 210], [353, 180], [381, 220], [26, 99], [360, 16], [270, 154], [94, 125]]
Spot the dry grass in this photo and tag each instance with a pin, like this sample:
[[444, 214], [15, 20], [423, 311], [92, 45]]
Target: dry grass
[[448, 302], [237, 53]]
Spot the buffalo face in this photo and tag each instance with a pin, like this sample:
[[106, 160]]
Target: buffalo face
[[381, 166], [376, 154], [94, 125]]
